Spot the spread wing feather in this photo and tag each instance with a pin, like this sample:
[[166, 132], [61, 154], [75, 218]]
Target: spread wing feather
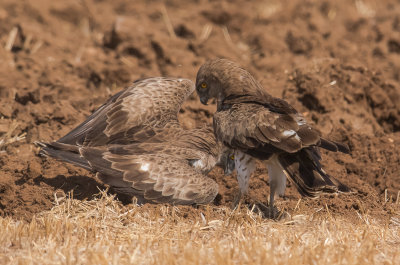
[[154, 171], [134, 114], [135, 144], [157, 177]]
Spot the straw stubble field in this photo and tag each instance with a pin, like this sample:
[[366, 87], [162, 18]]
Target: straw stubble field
[[336, 62], [102, 231]]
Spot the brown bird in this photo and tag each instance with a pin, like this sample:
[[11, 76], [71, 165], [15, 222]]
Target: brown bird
[[135, 144], [257, 125]]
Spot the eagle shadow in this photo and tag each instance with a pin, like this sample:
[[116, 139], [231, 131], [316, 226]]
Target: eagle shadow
[[81, 187]]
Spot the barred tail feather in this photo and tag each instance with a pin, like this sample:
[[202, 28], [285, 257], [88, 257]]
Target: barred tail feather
[[63, 152], [334, 146], [305, 171]]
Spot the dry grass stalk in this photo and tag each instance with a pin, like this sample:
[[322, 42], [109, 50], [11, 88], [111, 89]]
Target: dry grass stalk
[[36, 46], [85, 27], [297, 205], [386, 195], [395, 220], [11, 39], [27, 42], [237, 47], [206, 32], [103, 231], [269, 8], [364, 9], [167, 21], [126, 61], [7, 138], [227, 36]]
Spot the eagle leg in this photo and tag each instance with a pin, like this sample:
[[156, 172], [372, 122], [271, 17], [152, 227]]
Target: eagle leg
[[271, 200], [237, 200], [277, 181], [245, 166]]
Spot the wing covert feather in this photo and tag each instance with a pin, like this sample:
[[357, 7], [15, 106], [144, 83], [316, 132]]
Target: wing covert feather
[[134, 113], [255, 126]]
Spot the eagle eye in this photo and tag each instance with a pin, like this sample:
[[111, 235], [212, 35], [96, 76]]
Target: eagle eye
[[203, 85]]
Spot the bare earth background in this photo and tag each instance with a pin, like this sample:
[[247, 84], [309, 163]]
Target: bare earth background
[[338, 62]]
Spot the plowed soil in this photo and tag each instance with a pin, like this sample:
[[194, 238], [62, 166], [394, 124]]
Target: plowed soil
[[338, 62]]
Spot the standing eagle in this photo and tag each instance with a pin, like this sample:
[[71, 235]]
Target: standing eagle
[[135, 143], [259, 126]]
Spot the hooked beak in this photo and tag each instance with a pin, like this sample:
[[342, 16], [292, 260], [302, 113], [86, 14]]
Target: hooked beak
[[204, 100]]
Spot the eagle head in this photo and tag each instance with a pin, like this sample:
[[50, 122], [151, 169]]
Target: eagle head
[[210, 80], [221, 78]]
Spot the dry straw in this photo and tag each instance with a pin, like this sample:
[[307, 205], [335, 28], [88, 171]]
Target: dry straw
[[103, 231], [10, 137]]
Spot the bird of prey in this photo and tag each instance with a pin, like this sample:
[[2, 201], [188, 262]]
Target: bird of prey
[[259, 126], [135, 144]]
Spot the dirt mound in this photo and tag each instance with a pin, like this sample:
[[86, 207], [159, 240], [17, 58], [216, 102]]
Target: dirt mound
[[337, 62]]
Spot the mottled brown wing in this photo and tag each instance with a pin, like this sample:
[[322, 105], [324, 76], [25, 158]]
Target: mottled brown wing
[[284, 120], [178, 151], [134, 114], [156, 177], [254, 126]]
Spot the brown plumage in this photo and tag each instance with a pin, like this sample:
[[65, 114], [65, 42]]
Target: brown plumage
[[260, 126], [135, 144]]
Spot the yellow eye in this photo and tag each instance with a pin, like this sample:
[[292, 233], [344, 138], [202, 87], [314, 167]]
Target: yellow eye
[[232, 157], [203, 85]]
